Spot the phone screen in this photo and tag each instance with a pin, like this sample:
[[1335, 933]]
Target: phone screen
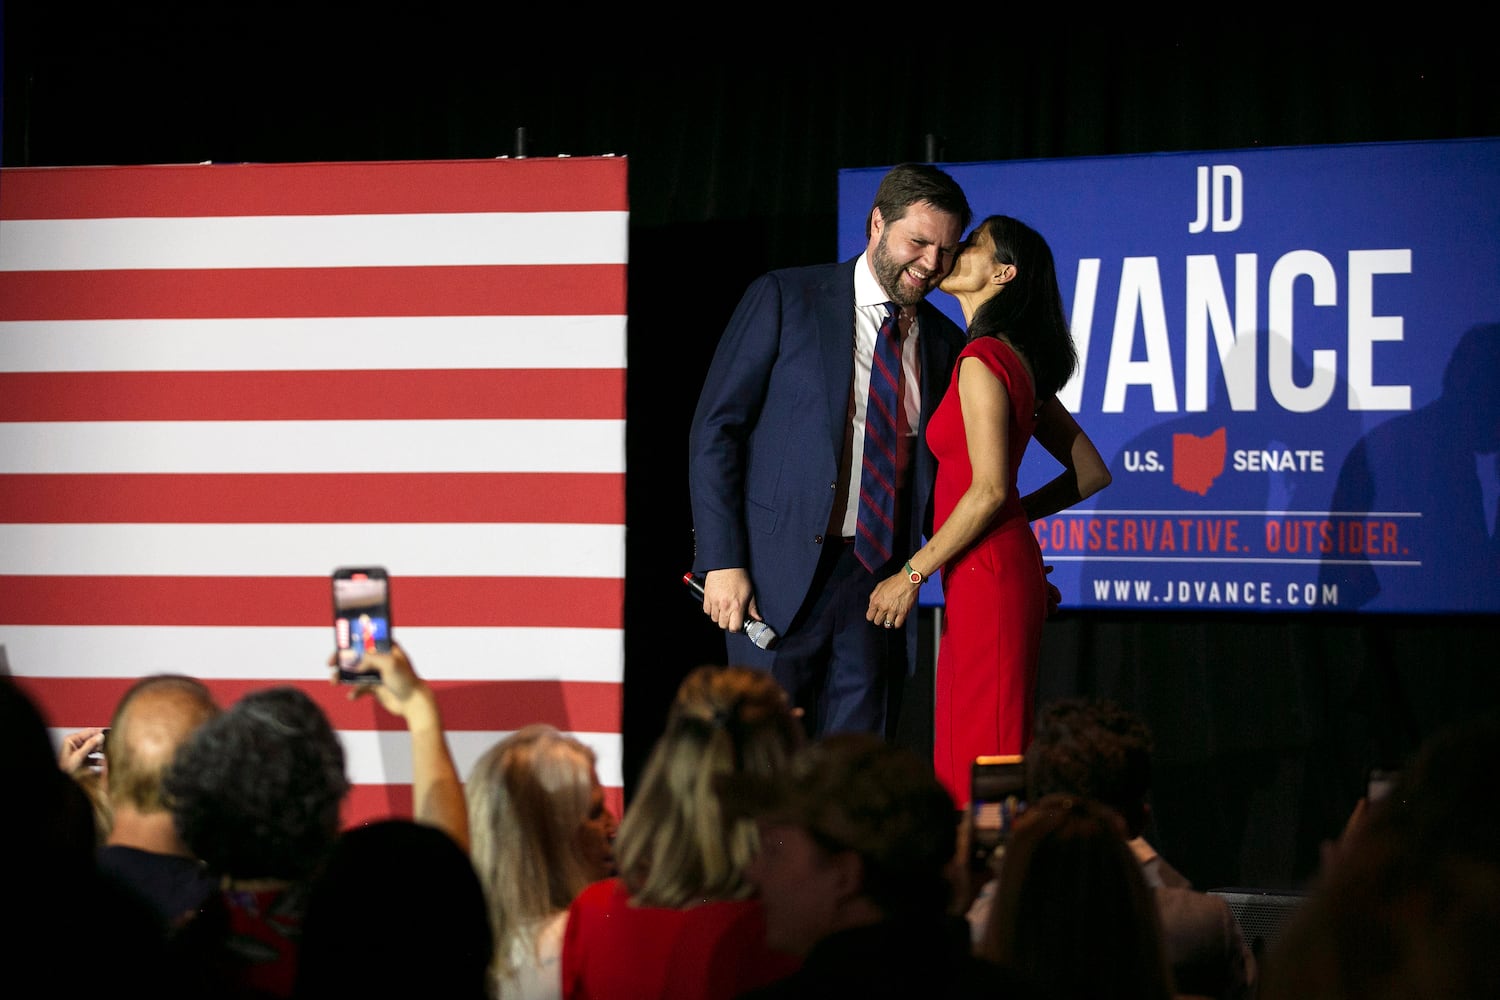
[[95, 758], [997, 797], [1379, 784], [361, 619]]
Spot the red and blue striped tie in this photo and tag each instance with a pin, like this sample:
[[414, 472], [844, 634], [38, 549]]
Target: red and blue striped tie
[[876, 529]]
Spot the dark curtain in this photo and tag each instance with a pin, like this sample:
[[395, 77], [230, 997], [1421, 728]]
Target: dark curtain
[[1265, 725]]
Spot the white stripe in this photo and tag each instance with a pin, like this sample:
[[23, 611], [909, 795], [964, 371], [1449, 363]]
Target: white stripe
[[468, 747], [169, 446], [295, 344], [382, 757], [280, 654], [593, 551], [407, 240]]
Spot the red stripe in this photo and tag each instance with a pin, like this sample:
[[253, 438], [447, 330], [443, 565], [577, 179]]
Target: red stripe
[[479, 706], [315, 498], [481, 601], [368, 803], [371, 803], [424, 394], [474, 290], [498, 706], [577, 184]]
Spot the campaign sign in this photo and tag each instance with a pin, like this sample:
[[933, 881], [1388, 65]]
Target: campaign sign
[[1290, 359]]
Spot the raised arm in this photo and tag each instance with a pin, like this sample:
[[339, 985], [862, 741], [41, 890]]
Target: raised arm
[[437, 789]]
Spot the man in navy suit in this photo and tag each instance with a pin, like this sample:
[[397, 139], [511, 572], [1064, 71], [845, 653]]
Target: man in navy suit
[[776, 449]]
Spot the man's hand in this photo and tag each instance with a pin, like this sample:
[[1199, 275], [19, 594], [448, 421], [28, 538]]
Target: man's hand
[[728, 598], [77, 746]]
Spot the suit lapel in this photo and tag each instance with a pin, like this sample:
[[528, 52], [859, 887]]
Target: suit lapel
[[835, 318]]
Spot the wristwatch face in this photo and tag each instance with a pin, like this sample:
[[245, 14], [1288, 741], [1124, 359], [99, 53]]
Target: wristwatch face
[[915, 577]]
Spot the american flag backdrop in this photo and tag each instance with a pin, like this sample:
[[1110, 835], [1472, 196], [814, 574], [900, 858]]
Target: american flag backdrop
[[220, 382]]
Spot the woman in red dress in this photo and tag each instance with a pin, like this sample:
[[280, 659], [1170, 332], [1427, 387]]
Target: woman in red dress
[[995, 592], [681, 921]]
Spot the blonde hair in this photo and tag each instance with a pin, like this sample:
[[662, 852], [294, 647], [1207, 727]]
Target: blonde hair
[[676, 846], [527, 797]]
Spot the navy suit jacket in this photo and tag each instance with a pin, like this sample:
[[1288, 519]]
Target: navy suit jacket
[[768, 434]]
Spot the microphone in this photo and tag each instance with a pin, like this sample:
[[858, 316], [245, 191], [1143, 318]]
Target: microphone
[[757, 632]]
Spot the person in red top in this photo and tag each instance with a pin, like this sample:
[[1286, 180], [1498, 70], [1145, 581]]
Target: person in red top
[[995, 592], [367, 633], [681, 921]]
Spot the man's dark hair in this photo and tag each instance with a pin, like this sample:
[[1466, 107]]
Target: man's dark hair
[[908, 184], [1095, 749], [255, 792]]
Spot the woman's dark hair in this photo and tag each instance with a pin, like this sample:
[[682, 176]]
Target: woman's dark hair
[[1072, 910], [395, 880], [256, 791], [1029, 312]]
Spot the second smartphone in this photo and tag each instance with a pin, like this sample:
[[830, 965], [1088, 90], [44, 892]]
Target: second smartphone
[[361, 619]]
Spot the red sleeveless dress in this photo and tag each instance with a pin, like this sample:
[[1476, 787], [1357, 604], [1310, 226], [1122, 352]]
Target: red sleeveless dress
[[994, 593]]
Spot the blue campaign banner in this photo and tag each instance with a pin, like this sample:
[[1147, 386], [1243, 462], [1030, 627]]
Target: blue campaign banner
[[1289, 357]]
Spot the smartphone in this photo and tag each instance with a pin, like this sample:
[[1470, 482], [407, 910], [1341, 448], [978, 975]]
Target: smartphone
[[997, 795], [361, 619], [1379, 784], [94, 759]]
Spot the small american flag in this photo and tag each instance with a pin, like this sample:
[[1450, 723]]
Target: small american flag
[[219, 382]]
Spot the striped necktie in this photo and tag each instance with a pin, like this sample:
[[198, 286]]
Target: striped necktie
[[874, 536]]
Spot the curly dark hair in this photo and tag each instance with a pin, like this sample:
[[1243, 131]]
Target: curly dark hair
[[255, 792], [1095, 748], [853, 791]]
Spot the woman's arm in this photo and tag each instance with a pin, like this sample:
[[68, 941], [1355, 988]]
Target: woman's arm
[[986, 411], [437, 789], [1084, 470]]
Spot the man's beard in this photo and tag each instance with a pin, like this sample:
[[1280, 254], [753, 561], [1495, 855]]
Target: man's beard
[[888, 272]]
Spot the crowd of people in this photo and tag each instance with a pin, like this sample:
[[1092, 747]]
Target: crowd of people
[[781, 841], [753, 862]]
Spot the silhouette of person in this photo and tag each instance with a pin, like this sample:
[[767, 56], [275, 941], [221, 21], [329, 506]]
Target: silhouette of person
[[1439, 462]]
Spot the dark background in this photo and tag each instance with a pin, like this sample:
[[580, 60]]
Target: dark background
[[1266, 723]]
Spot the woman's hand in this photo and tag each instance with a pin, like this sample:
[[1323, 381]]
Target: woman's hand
[[892, 601], [437, 789], [400, 690]]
